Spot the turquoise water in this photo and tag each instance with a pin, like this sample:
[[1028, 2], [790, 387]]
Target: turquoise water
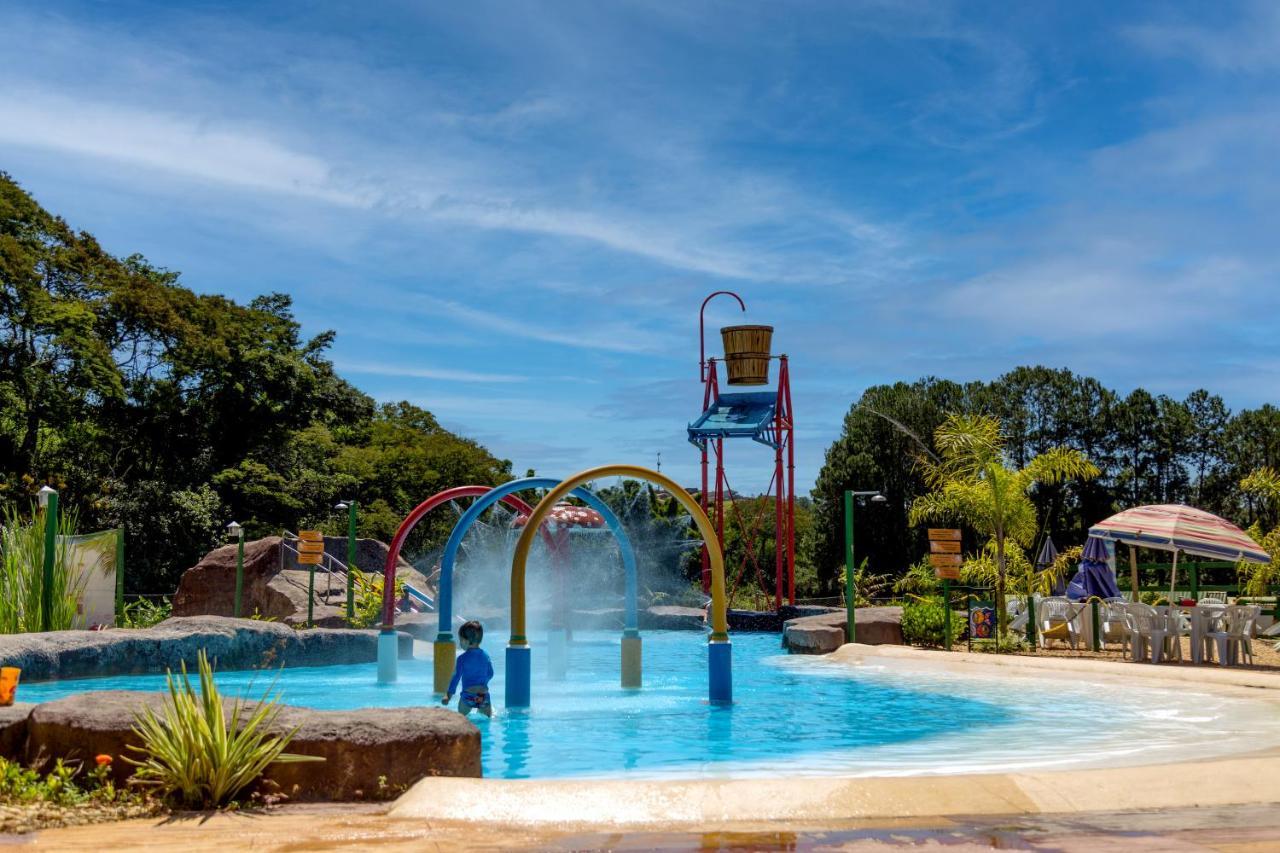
[[792, 715]]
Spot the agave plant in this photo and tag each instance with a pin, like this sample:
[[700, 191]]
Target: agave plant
[[194, 754]]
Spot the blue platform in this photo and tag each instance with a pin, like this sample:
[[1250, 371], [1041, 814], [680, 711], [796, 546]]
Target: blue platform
[[742, 415]]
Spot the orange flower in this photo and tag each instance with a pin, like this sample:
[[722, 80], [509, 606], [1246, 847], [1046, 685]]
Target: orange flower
[[103, 760]]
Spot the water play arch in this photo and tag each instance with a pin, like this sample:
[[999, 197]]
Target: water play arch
[[719, 650], [445, 649], [387, 650]]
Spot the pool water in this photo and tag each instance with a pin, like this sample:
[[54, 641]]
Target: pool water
[[793, 715]]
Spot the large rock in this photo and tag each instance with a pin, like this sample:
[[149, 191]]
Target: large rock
[[274, 585], [666, 617], [232, 643], [754, 620], [397, 745], [13, 730], [824, 633]]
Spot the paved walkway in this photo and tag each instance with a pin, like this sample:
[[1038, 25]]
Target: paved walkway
[[1240, 829]]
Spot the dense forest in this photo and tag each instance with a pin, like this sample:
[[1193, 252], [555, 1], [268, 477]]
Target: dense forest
[[1150, 449], [170, 413]]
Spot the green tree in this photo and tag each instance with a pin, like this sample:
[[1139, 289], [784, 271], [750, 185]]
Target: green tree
[[973, 485]]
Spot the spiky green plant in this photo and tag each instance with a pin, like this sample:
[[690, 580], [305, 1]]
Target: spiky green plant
[[972, 484], [22, 573], [194, 754]]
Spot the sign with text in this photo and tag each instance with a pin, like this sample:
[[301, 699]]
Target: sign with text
[[944, 553], [310, 547], [946, 566]]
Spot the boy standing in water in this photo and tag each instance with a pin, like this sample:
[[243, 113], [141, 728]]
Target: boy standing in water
[[473, 671]]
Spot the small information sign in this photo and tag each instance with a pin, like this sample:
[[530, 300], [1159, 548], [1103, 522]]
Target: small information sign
[[310, 547], [941, 534], [944, 547]]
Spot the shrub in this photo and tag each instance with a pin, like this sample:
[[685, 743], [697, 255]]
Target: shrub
[[144, 613], [195, 755], [367, 601], [924, 623]]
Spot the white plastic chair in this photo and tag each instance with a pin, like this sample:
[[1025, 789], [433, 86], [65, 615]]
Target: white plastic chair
[[1147, 629], [1176, 627], [1235, 640], [1212, 596], [1053, 613], [1115, 621]]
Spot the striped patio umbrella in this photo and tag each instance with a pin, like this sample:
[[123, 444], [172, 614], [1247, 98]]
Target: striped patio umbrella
[[1179, 528]]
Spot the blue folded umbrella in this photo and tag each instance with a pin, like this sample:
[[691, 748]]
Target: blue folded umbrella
[[1094, 577], [1048, 553]]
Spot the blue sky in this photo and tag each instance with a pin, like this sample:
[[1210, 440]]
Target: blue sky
[[510, 211]]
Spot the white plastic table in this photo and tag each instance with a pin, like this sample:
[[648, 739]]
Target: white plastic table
[[1200, 616]]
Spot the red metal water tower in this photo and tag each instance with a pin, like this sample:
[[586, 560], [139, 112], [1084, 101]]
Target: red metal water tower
[[766, 418]]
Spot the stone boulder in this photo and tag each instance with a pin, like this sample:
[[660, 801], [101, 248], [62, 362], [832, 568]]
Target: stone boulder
[[824, 633], [275, 586], [754, 620], [668, 617], [13, 730], [359, 747], [232, 643]]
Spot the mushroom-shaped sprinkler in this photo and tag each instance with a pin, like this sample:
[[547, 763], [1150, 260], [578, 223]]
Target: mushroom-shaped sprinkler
[[562, 521]]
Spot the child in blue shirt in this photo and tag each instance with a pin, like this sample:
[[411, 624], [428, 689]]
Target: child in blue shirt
[[473, 671]]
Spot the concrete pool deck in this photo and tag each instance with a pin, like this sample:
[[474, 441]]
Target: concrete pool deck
[[725, 803]]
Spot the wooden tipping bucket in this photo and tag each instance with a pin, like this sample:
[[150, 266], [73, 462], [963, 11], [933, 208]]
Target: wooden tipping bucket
[[746, 353]]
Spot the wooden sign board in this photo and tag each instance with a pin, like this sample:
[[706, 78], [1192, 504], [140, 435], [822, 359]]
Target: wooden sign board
[[945, 560], [310, 547], [947, 573], [944, 547], [942, 534]]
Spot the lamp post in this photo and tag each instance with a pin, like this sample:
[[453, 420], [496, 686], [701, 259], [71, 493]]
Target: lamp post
[[850, 593], [350, 507], [234, 529], [48, 498]]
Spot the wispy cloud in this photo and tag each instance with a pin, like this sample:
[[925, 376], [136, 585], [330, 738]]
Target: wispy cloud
[[1245, 43], [611, 337], [167, 142], [442, 374]]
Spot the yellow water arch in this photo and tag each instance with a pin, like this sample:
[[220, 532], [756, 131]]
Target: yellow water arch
[[720, 679]]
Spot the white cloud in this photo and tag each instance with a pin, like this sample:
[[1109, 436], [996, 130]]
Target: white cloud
[[167, 142]]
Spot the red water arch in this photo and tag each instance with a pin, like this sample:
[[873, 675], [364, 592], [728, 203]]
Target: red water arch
[[411, 520]]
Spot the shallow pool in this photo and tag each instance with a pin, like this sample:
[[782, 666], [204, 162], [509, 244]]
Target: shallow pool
[[792, 715]]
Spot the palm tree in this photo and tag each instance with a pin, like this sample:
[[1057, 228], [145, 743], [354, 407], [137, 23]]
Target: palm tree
[[972, 485]]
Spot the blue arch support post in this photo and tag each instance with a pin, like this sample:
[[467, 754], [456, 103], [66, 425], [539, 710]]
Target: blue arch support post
[[518, 656]]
